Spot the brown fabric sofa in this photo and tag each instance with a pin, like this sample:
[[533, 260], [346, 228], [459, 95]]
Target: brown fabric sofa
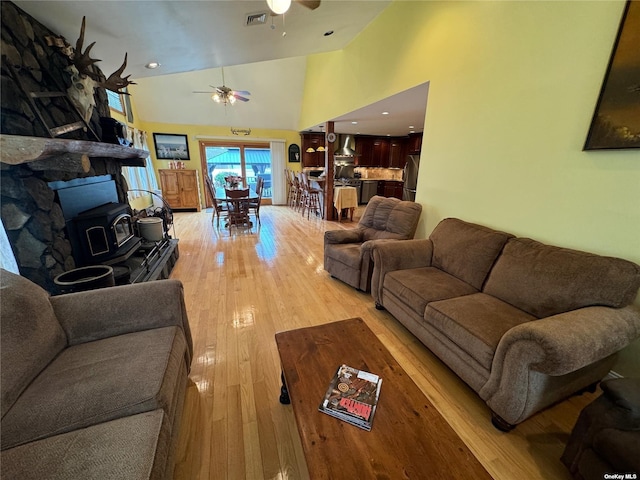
[[522, 323], [93, 383], [347, 253], [606, 437]]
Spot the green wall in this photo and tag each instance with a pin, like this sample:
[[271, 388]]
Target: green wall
[[512, 90]]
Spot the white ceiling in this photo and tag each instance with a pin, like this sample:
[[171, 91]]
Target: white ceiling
[[192, 39]]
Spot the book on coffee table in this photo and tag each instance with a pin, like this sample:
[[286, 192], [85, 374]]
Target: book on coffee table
[[352, 396]]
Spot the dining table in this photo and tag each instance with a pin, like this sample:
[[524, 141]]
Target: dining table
[[345, 198], [237, 207]]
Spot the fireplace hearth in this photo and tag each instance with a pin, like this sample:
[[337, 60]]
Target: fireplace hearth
[[39, 224]]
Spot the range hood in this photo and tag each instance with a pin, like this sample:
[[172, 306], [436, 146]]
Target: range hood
[[346, 147]]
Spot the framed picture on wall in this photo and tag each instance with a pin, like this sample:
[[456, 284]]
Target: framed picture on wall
[[171, 146], [294, 153], [616, 120]]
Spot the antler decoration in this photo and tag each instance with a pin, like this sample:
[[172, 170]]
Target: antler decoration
[[115, 82], [82, 60]]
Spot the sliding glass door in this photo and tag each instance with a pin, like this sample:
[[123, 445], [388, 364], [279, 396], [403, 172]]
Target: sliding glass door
[[247, 160]]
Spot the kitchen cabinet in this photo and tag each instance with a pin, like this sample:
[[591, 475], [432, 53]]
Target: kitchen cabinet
[[414, 144], [397, 152], [390, 188], [380, 154], [180, 188], [315, 158], [385, 152], [364, 149]]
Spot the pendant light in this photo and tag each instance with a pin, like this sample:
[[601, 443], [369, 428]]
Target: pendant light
[[279, 6]]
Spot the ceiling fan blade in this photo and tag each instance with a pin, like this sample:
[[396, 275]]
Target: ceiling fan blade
[[242, 92], [242, 99], [310, 4], [202, 91]]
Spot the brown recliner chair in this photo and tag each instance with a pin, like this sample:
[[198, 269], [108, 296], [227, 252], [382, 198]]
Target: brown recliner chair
[[347, 253], [606, 437]]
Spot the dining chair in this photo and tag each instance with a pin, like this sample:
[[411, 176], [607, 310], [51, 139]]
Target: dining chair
[[254, 203], [266, 177], [238, 205], [218, 208]]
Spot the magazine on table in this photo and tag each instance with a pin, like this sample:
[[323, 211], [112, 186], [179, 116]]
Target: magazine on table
[[352, 396]]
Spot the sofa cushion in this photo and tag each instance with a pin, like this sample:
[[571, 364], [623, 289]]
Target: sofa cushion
[[545, 280], [475, 323], [416, 287], [31, 335], [124, 448], [349, 254], [99, 381], [466, 250], [390, 218], [344, 261]]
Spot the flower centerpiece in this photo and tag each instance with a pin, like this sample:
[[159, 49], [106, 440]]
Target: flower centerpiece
[[233, 181]]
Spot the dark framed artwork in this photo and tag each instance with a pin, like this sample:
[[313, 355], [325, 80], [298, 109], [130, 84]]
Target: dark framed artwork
[[616, 120], [171, 146], [294, 153]]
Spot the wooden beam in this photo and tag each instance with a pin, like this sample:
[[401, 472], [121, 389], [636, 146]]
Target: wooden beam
[[328, 173], [17, 149], [66, 162]]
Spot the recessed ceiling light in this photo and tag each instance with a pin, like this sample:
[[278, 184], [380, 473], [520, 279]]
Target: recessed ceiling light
[[412, 131], [411, 127], [328, 33], [354, 123], [152, 65], [385, 113]]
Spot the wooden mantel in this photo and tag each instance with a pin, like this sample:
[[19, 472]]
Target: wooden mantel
[[16, 150]]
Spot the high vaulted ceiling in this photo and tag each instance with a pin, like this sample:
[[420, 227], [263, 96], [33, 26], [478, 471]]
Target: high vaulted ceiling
[[192, 39]]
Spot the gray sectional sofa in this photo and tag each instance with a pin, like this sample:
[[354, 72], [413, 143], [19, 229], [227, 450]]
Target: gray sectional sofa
[[93, 383], [524, 324]]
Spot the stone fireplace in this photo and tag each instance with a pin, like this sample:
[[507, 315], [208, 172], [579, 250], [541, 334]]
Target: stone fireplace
[[32, 161]]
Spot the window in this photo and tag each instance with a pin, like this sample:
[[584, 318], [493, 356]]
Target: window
[[139, 178], [115, 102]]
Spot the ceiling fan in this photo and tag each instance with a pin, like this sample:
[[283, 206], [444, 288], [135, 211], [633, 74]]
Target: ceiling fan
[[281, 6], [226, 95]]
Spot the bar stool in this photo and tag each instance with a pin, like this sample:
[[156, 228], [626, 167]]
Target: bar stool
[[311, 197]]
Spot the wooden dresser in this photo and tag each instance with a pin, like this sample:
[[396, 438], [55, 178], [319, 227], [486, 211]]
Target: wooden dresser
[[180, 188]]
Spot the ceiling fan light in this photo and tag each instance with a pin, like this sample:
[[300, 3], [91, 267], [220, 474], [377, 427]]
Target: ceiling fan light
[[215, 97], [231, 99], [279, 6]]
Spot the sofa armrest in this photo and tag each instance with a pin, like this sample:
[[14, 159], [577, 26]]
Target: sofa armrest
[[397, 255], [575, 339], [554, 346], [107, 312], [343, 236]]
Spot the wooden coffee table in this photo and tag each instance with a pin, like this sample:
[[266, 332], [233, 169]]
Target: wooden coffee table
[[409, 438]]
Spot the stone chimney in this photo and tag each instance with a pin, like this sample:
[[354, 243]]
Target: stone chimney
[[30, 209]]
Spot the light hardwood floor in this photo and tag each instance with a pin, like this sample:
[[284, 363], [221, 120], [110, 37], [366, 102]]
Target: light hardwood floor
[[241, 288]]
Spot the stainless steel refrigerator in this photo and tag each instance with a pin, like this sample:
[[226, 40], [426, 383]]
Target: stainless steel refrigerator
[[410, 177]]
